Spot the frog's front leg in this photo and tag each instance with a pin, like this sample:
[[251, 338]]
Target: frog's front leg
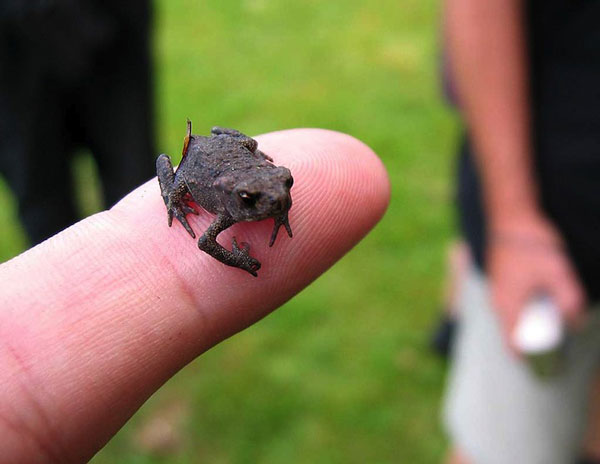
[[237, 257], [173, 191]]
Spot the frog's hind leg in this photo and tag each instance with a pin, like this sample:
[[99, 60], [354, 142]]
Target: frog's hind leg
[[173, 191], [239, 256]]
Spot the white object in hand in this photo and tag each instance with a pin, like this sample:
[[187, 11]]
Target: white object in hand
[[540, 327]]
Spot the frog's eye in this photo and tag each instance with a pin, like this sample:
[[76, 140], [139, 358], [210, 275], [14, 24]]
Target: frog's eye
[[289, 182], [247, 198]]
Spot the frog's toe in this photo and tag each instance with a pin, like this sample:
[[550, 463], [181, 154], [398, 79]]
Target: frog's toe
[[243, 248], [236, 249], [180, 215], [186, 226], [188, 209], [245, 261], [251, 265]]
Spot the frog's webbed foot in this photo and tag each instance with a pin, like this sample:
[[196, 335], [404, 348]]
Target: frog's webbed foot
[[179, 211], [173, 194], [242, 255], [280, 221], [238, 257]]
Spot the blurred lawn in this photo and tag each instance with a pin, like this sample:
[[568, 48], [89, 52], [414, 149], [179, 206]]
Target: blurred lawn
[[341, 374]]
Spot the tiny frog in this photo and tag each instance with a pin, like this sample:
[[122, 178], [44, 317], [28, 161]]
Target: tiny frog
[[230, 177]]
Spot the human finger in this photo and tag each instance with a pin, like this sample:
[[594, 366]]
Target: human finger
[[95, 319], [566, 290]]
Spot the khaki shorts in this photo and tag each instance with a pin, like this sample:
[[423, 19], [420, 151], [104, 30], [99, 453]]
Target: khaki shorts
[[497, 411]]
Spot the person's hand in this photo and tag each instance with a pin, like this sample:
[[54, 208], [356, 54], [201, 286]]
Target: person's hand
[[526, 256], [95, 319]]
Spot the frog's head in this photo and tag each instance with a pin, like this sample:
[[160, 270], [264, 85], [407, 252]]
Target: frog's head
[[261, 194]]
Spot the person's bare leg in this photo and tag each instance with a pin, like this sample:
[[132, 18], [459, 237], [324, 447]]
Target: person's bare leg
[[459, 260]]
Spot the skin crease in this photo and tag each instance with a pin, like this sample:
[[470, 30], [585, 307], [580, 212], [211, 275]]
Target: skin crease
[[97, 318]]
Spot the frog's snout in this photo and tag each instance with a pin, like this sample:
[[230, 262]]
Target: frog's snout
[[280, 204]]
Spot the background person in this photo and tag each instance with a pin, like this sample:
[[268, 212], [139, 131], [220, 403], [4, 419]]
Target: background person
[[526, 75], [73, 74]]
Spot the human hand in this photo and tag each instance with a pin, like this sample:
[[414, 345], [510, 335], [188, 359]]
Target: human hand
[[97, 318], [525, 257]]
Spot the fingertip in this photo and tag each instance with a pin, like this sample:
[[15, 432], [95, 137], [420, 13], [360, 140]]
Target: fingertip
[[323, 158], [341, 190]]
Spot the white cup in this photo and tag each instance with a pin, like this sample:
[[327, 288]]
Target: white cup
[[540, 336]]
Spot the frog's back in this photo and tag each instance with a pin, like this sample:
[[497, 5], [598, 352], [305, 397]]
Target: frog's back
[[208, 158]]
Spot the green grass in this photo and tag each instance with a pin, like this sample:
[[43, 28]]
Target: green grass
[[342, 373]]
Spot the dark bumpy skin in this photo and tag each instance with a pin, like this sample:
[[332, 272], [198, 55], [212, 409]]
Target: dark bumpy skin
[[228, 176]]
